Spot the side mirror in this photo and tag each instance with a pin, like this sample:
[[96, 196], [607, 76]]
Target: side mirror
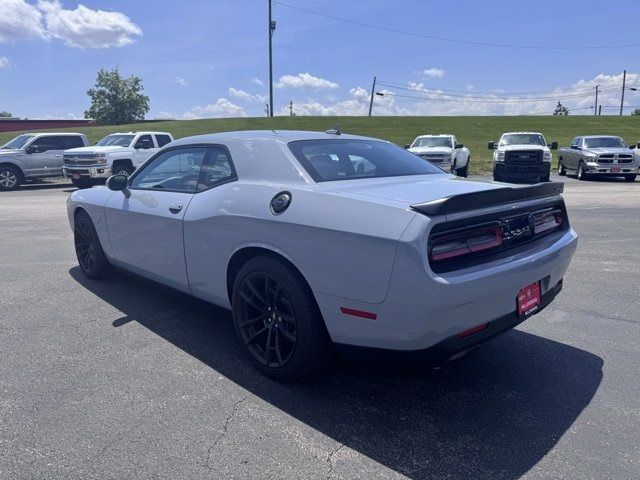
[[637, 145], [407, 146], [575, 147], [492, 145], [553, 146], [459, 145], [96, 142], [119, 183], [32, 149]]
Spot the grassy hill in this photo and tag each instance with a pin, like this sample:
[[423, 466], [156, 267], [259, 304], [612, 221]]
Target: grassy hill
[[474, 132]]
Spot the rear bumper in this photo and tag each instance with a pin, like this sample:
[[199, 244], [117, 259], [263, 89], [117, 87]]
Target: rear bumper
[[423, 308], [450, 348], [525, 173], [89, 171]]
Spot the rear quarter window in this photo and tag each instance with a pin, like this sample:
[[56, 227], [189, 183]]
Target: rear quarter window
[[163, 140]]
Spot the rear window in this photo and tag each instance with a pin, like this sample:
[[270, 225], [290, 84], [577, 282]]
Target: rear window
[[331, 159], [73, 141]]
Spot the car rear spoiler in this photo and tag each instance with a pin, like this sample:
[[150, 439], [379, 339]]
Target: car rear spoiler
[[487, 198]]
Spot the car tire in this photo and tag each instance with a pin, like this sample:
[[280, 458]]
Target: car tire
[[582, 175], [81, 183], [562, 170], [91, 258], [10, 178], [122, 169], [546, 178], [277, 320], [462, 172], [630, 178]]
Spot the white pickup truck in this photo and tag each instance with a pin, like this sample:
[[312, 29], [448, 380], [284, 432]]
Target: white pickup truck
[[522, 157], [444, 151], [115, 153]]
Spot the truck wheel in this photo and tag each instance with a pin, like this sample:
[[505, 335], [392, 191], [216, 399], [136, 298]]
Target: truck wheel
[[122, 169], [582, 175], [91, 258], [278, 321], [630, 178], [545, 178], [81, 183], [10, 178], [562, 170], [462, 172]]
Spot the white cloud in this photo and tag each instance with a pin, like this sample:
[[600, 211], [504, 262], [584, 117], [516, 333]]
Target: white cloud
[[4, 63], [257, 81], [81, 28], [305, 80], [162, 115], [246, 96], [181, 81], [86, 28], [222, 108], [19, 20], [431, 72]]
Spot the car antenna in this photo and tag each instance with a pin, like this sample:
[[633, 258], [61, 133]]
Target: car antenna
[[335, 130]]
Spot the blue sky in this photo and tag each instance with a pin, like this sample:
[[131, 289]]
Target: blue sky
[[208, 58]]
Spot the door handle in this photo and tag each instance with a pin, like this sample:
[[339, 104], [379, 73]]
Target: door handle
[[175, 207], [57, 156]]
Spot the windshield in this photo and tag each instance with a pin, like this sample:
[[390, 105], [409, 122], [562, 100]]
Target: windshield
[[523, 139], [328, 160], [604, 142], [18, 142], [432, 142], [116, 140]]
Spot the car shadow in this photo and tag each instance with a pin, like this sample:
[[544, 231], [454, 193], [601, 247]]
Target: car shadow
[[45, 185], [493, 414]]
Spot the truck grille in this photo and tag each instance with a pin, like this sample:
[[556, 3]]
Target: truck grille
[[79, 159], [435, 157], [610, 158], [523, 157]]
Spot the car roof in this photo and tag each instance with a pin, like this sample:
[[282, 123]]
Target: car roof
[[140, 133], [522, 133], [435, 135], [280, 135], [48, 134], [600, 136]]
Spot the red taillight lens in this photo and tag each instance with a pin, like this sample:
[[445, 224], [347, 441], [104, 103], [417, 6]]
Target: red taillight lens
[[464, 243], [544, 222]]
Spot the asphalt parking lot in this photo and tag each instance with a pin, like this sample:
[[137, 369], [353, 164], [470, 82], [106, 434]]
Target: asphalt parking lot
[[123, 379]]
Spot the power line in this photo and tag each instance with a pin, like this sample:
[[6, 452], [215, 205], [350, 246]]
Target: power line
[[452, 40], [476, 99], [540, 92]]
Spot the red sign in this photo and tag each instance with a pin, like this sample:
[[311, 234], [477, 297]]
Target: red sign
[[529, 299]]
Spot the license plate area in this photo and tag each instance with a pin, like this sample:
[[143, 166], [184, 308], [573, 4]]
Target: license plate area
[[615, 169], [529, 299], [75, 176]]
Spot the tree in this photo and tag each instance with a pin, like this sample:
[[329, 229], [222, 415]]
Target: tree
[[636, 112], [5, 114], [116, 100], [561, 110]]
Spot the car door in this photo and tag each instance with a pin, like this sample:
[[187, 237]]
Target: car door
[[44, 155], [572, 156], [143, 149], [145, 228]]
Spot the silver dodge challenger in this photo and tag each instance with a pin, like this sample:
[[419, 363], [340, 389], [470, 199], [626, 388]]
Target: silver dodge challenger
[[320, 242]]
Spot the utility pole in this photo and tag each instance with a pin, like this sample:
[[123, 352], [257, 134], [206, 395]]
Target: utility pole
[[600, 110], [373, 89], [291, 108], [624, 81], [272, 28], [595, 108]]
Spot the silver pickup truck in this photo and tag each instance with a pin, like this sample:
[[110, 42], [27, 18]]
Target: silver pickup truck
[[35, 155], [598, 155]]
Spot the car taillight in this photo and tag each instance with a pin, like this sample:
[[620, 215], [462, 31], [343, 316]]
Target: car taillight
[[466, 242], [546, 221]]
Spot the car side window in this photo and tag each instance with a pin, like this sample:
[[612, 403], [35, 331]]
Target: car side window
[[72, 141], [144, 142], [46, 143], [217, 168], [162, 140], [175, 170], [576, 142]]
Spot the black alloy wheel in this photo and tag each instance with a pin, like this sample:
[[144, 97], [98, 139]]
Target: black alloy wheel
[[91, 258], [268, 323]]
